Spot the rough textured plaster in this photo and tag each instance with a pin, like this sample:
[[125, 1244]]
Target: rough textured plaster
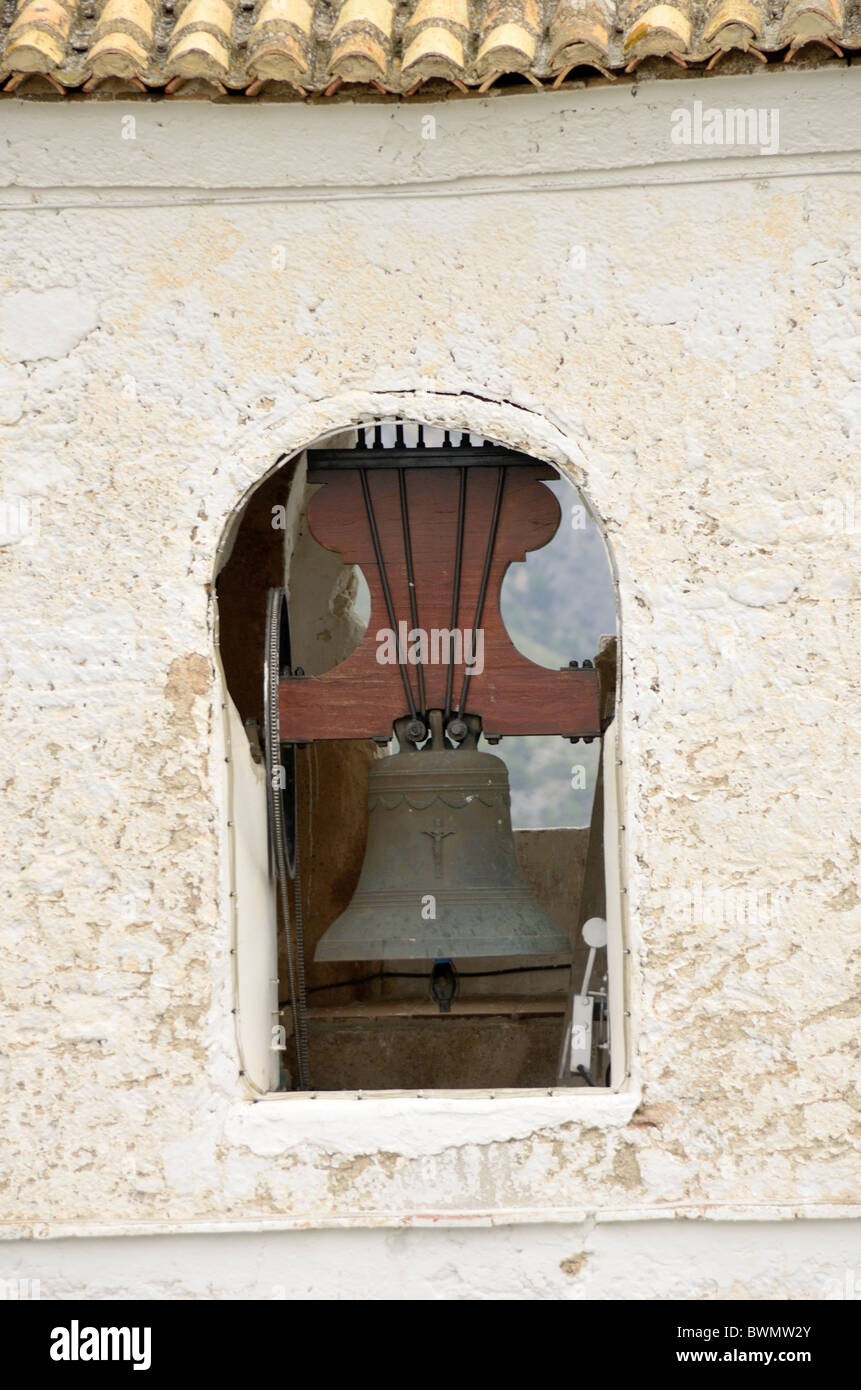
[[699, 378]]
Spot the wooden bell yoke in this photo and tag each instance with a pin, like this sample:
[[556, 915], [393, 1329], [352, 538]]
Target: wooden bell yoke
[[434, 531]]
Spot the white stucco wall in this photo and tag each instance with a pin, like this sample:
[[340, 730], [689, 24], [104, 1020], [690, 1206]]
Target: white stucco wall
[[676, 326], [585, 1260]]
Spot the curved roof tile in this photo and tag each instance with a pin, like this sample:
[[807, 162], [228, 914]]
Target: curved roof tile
[[316, 46]]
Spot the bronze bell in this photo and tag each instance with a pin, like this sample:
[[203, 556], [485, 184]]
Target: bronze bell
[[440, 878]]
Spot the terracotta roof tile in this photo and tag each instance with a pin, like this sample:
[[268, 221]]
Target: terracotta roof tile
[[580, 32], [394, 45], [37, 38], [280, 44], [360, 43]]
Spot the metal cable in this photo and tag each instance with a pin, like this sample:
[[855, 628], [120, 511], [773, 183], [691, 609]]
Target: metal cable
[[455, 594], [411, 582], [387, 593], [272, 734], [488, 560]]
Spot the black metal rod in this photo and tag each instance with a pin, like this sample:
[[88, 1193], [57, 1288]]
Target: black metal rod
[[488, 560], [401, 456], [455, 593], [422, 975], [387, 593], [411, 581]]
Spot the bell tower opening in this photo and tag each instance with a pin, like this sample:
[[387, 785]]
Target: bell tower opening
[[422, 707]]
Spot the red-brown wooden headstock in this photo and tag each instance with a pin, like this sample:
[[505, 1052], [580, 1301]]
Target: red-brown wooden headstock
[[364, 695]]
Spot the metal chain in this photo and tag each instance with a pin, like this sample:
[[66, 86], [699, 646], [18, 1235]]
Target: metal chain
[[272, 735], [301, 1015]]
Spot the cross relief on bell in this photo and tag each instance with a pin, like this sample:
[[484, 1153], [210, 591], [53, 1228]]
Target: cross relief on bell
[[437, 835]]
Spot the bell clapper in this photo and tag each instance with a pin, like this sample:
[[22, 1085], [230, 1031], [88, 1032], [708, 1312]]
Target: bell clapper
[[443, 984]]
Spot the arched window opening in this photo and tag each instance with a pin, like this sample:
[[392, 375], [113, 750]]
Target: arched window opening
[[446, 635]]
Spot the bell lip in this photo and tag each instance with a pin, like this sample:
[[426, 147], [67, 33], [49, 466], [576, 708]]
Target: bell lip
[[427, 947]]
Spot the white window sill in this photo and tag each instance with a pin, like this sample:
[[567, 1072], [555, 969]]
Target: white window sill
[[414, 1125]]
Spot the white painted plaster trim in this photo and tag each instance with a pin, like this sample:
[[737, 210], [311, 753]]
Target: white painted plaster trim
[[74, 155], [618, 950], [445, 1220], [414, 1124]]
